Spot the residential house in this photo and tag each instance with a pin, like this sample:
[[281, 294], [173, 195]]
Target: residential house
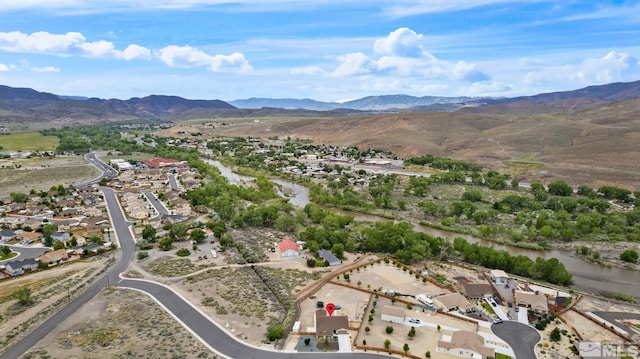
[[392, 314], [476, 291], [288, 248], [7, 235], [329, 257], [29, 237], [60, 236], [464, 344], [91, 248], [534, 300], [20, 266], [330, 326], [455, 301], [498, 276], [54, 257]]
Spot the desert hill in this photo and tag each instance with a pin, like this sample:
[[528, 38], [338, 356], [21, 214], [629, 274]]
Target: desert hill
[[596, 145]]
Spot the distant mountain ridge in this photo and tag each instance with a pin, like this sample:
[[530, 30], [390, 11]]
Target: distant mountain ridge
[[28, 105], [369, 103]]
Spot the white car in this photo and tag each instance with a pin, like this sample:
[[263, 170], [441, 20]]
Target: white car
[[414, 320], [497, 321]]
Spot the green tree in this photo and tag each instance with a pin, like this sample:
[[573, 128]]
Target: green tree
[[149, 233], [388, 329], [48, 229], [197, 235], [629, 256], [165, 244], [405, 348], [472, 195], [427, 354], [285, 223], [555, 335], [560, 188], [6, 251], [387, 344], [367, 329], [338, 250], [22, 295], [58, 245], [178, 231], [412, 332], [275, 332]]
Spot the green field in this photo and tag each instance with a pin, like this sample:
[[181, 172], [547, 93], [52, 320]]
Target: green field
[[28, 141]]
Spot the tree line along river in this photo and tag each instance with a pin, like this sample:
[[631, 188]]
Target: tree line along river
[[588, 277]]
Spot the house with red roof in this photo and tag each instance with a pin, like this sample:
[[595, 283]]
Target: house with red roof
[[288, 248]]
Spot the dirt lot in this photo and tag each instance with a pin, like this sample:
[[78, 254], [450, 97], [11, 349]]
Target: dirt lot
[[588, 329], [49, 289], [120, 323], [42, 174]]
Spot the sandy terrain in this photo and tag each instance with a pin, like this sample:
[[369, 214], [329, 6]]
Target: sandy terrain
[[49, 288]]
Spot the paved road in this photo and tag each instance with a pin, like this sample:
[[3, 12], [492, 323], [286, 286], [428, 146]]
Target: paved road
[[173, 182], [106, 170], [25, 252], [521, 338], [160, 208]]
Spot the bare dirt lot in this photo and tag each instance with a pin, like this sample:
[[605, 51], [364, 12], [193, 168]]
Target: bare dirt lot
[[120, 323], [50, 290], [41, 174]]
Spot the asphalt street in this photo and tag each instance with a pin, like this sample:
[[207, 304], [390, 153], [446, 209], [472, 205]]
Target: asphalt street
[[173, 182], [160, 208], [521, 338]]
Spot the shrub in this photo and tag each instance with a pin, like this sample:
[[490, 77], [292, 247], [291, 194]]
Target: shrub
[[275, 332], [183, 252], [142, 255], [389, 329]]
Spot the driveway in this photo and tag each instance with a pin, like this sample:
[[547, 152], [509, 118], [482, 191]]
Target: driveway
[[520, 337]]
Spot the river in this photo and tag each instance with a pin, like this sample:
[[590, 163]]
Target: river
[[588, 277]]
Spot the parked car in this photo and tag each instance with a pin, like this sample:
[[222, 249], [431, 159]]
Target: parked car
[[414, 320], [497, 321], [320, 304]]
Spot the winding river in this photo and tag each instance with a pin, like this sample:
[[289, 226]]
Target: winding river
[[588, 277]]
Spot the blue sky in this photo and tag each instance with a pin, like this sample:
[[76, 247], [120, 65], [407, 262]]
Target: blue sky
[[321, 49]]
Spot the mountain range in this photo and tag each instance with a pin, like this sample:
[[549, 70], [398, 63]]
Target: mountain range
[[29, 105]]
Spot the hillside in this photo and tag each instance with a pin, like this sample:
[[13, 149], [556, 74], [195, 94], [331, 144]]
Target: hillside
[[597, 146]]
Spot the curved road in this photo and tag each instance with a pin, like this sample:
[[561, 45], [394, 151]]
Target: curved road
[[215, 337], [521, 338]]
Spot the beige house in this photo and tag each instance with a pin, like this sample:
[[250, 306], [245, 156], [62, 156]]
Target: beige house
[[464, 344], [535, 300], [54, 257], [499, 276], [392, 314], [455, 301]]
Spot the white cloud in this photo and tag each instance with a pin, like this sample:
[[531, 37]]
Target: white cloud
[[614, 66], [309, 70], [416, 7], [134, 51], [402, 42], [187, 56], [405, 58], [355, 63], [4, 67], [45, 69], [69, 44]]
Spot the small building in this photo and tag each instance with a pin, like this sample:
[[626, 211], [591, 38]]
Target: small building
[[535, 300], [54, 257], [476, 291], [29, 237], [330, 326], [464, 344], [19, 267], [288, 248], [329, 257], [455, 301], [8, 235], [499, 276], [392, 314], [60, 236]]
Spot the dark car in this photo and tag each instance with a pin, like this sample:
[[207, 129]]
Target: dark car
[[320, 304]]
